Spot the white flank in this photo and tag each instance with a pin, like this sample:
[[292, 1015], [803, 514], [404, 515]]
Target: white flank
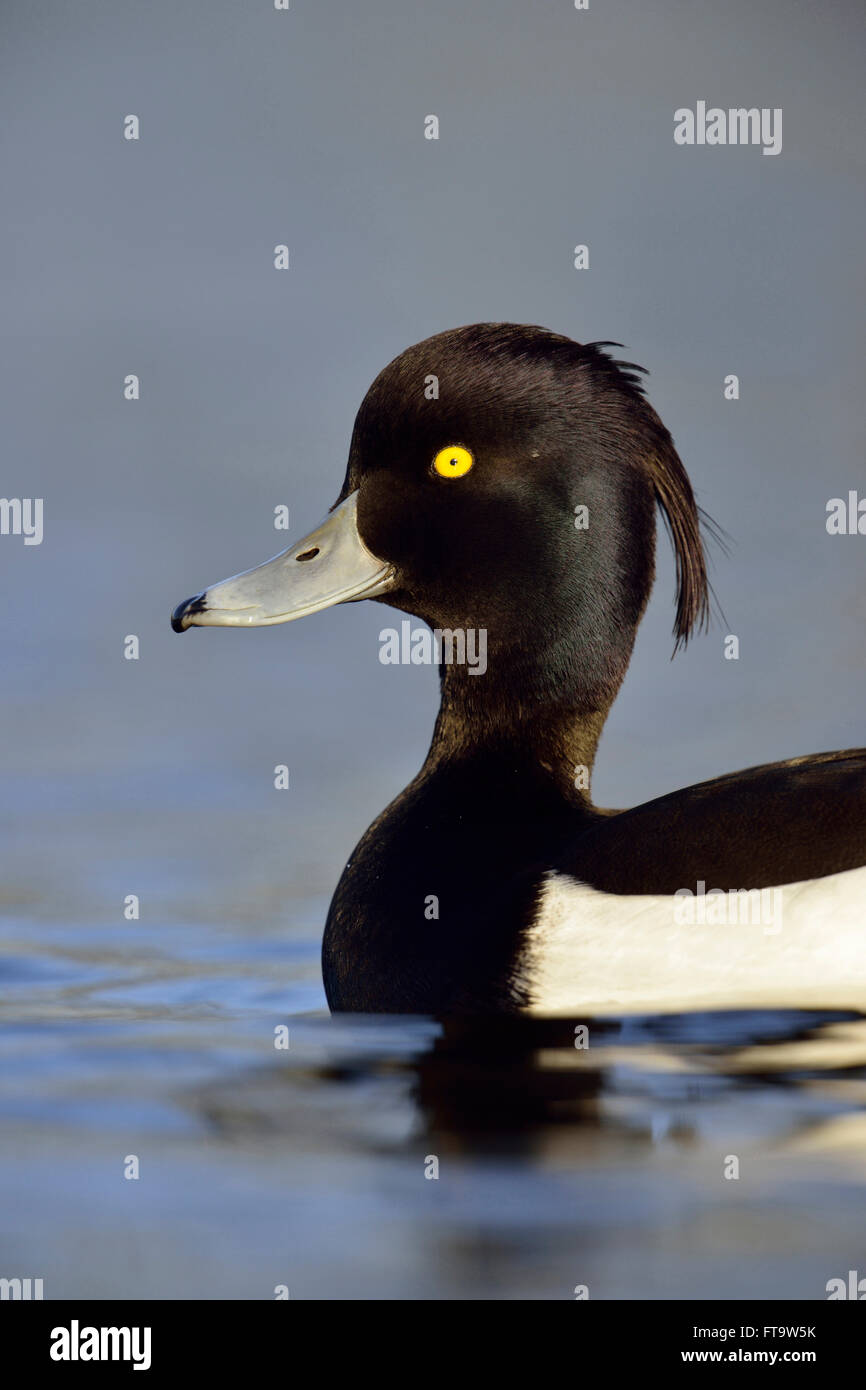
[[593, 952]]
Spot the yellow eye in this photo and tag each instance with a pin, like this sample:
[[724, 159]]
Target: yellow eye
[[453, 462]]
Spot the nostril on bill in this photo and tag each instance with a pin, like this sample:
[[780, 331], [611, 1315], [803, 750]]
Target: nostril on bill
[[309, 554]]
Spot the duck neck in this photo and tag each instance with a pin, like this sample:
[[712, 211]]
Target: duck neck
[[538, 728]]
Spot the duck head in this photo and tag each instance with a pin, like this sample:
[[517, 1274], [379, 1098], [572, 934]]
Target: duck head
[[505, 478]]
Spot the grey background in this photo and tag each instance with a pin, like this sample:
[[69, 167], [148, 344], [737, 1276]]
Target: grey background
[[156, 258]]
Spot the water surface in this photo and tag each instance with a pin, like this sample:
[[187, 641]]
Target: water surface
[[558, 1166]]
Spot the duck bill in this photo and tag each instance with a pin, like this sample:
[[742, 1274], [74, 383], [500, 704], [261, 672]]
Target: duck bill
[[331, 565]]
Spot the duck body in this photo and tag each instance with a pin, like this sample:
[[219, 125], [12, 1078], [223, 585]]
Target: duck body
[[519, 500], [449, 899]]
